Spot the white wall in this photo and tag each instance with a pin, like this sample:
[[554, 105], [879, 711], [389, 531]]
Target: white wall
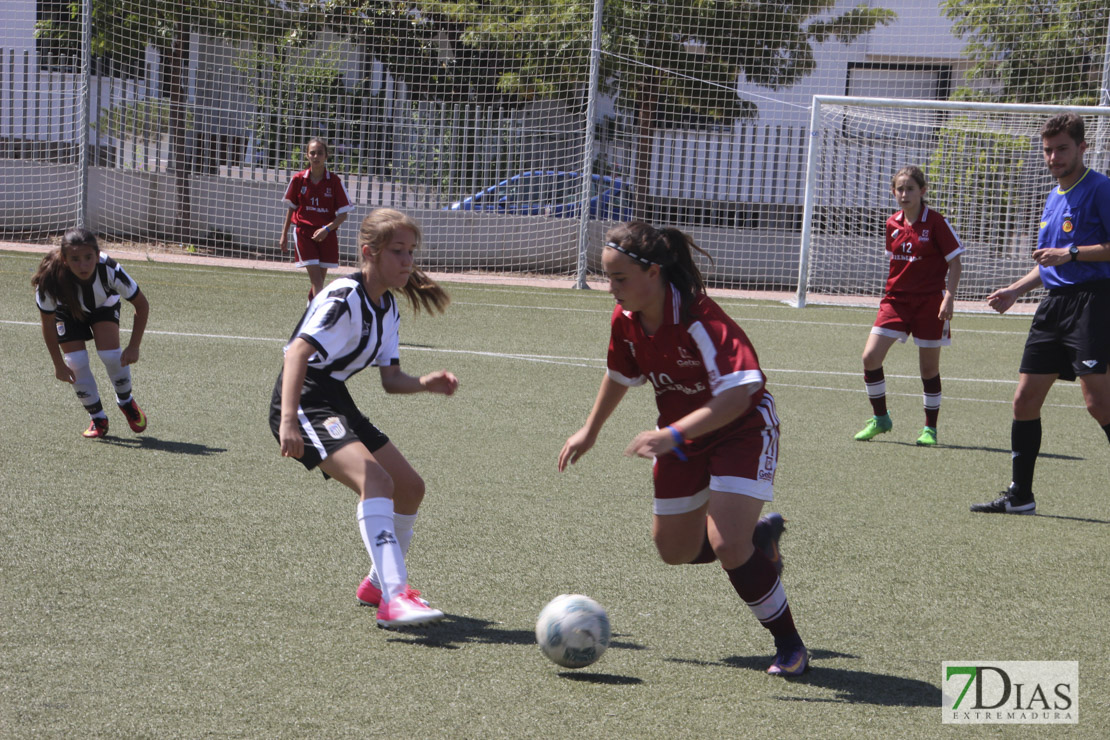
[[920, 34]]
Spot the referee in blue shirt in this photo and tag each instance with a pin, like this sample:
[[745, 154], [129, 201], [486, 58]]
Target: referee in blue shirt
[[1070, 334]]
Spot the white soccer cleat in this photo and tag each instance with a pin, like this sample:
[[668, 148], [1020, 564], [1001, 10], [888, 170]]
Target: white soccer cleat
[[407, 609]]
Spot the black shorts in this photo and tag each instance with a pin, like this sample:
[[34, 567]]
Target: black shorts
[[328, 419], [71, 329], [1070, 335]]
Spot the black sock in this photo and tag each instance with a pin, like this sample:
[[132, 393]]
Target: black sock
[[1106, 428], [1025, 445]]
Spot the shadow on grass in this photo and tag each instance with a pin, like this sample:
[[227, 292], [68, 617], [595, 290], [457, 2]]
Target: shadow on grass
[[153, 443], [606, 678], [851, 687], [1072, 518], [974, 448], [455, 631]]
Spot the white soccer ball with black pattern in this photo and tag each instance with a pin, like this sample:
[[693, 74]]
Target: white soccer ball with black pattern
[[573, 630]]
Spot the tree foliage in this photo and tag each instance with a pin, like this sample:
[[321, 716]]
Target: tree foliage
[[1035, 51], [690, 53]]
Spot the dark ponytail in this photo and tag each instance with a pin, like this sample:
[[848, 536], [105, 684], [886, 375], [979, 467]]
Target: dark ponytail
[[670, 248]]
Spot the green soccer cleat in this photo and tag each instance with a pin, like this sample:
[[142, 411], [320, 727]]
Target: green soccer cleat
[[876, 425], [928, 437]]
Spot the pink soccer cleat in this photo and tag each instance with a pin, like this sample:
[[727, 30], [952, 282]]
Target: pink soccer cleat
[[368, 594], [407, 609]]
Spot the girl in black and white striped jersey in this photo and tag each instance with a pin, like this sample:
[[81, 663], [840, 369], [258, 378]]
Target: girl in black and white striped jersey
[[350, 325], [78, 290]]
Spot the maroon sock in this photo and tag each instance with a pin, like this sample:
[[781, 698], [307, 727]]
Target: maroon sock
[[931, 388], [706, 555], [875, 381], [757, 583]]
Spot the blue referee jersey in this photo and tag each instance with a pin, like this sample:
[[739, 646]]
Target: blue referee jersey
[[1077, 216]]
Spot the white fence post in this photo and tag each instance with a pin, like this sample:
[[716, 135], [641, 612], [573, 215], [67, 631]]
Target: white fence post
[[588, 147]]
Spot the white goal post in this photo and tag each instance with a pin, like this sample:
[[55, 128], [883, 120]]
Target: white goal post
[[985, 170]]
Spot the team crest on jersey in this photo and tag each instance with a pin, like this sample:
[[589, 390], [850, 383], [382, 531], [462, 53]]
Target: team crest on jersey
[[61, 327], [334, 427], [327, 193], [304, 189], [1068, 226], [924, 235], [685, 359]]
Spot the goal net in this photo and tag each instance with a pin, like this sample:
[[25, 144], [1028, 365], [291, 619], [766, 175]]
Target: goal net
[[516, 133], [985, 172]]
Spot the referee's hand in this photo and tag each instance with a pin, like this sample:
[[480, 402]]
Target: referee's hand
[[1051, 256], [1001, 300]]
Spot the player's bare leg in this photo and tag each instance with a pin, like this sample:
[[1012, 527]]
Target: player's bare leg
[[678, 537], [1096, 394], [408, 493], [356, 467], [316, 275]]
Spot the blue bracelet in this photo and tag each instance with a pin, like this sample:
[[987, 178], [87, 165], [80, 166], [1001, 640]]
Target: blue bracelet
[[678, 442]]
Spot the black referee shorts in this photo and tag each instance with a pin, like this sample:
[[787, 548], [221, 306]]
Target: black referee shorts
[[328, 419], [1070, 334]]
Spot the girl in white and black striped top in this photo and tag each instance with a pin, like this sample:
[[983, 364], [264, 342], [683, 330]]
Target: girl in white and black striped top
[[351, 325], [78, 290]]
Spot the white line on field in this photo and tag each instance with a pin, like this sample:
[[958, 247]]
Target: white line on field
[[599, 364]]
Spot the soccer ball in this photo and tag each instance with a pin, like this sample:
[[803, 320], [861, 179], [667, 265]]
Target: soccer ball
[[573, 630]]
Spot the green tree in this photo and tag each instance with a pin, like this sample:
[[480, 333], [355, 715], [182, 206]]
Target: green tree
[[122, 30], [430, 46], [665, 60], [1035, 51]]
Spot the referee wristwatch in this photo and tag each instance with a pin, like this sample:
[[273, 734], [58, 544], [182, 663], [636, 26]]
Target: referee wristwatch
[[1074, 252]]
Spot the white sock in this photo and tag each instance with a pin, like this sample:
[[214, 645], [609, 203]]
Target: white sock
[[402, 529], [120, 375], [84, 384], [375, 523]]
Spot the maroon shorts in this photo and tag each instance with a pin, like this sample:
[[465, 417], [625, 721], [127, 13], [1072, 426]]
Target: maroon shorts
[[917, 314], [740, 459], [308, 251]]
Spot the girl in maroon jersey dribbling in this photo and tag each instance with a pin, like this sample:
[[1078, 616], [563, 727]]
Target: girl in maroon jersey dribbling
[[715, 446], [316, 205], [920, 293]]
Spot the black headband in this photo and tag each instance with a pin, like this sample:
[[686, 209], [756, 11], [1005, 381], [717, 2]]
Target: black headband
[[633, 255]]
